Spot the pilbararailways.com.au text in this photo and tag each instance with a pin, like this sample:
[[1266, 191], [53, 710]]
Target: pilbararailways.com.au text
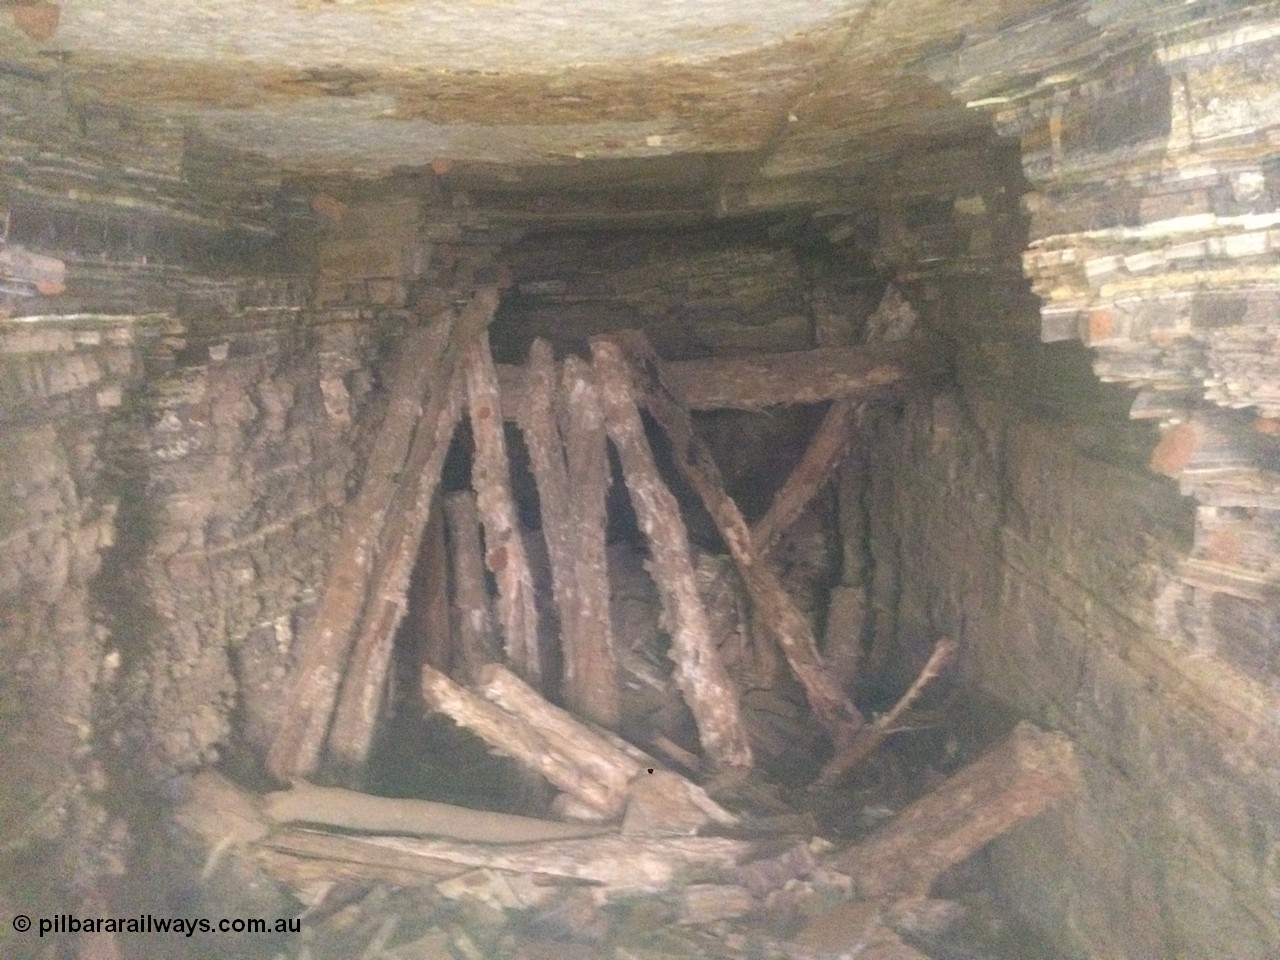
[[146, 923]]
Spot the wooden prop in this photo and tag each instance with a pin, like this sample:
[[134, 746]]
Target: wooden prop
[[424, 365], [573, 524], [504, 545], [1016, 780], [360, 700], [476, 644], [816, 466], [707, 688], [591, 667], [773, 605], [864, 372]]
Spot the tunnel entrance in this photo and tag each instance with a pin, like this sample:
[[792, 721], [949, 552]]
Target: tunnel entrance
[[598, 641]]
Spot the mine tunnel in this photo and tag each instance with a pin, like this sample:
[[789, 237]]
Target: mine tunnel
[[639, 481]]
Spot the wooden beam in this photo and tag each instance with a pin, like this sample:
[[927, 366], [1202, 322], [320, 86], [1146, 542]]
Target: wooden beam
[[753, 382], [504, 544], [591, 667], [593, 755], [772, 604], [511, 736], [1016, 780], [710, 693], [365, 679], [476, 637], [590, 673], [422, 371]]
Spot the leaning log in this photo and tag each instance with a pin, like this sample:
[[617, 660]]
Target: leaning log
[[594, 755], [423, 370], [662, 801], [476, 644], [590, 674], [710, 693], [591, 667], [772, 604], [504, 545], [865, 372], [365, 679], [1016, 780]]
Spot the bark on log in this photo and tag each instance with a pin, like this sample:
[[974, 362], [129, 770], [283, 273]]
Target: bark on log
[[594, 756], [710, 692], [774, 606], [605, 758], [864, 372], [591, 666], [537, 421], [365, 679], [816, 466], [476, 639], [1016, 780], [426, 362], [511, 736], [349, 810], [504, 544]]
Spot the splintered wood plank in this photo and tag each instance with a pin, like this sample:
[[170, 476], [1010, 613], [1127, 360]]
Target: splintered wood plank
[[701, 676], [476, 638], [365, 680], [816, 467], [323, 648], [772, 604], [504, 545], [1016, 780], [590, 675], [591, 663], [511, 736], [864, 372]]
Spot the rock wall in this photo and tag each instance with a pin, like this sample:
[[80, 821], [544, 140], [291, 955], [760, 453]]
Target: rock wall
[[172, 484], [1018, 514], [61, 384]]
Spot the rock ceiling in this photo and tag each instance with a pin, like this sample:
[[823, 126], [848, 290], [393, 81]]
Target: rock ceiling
[[522, 96]]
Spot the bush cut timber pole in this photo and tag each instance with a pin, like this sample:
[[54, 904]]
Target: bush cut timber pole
[[421, 376], [591, 663], [863, 372], [365, 679], [773, 605], [710, 693], [504, 553], [476, 644], [1016, 780]]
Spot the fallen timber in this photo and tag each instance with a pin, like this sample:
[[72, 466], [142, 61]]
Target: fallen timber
[[875, 895]]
